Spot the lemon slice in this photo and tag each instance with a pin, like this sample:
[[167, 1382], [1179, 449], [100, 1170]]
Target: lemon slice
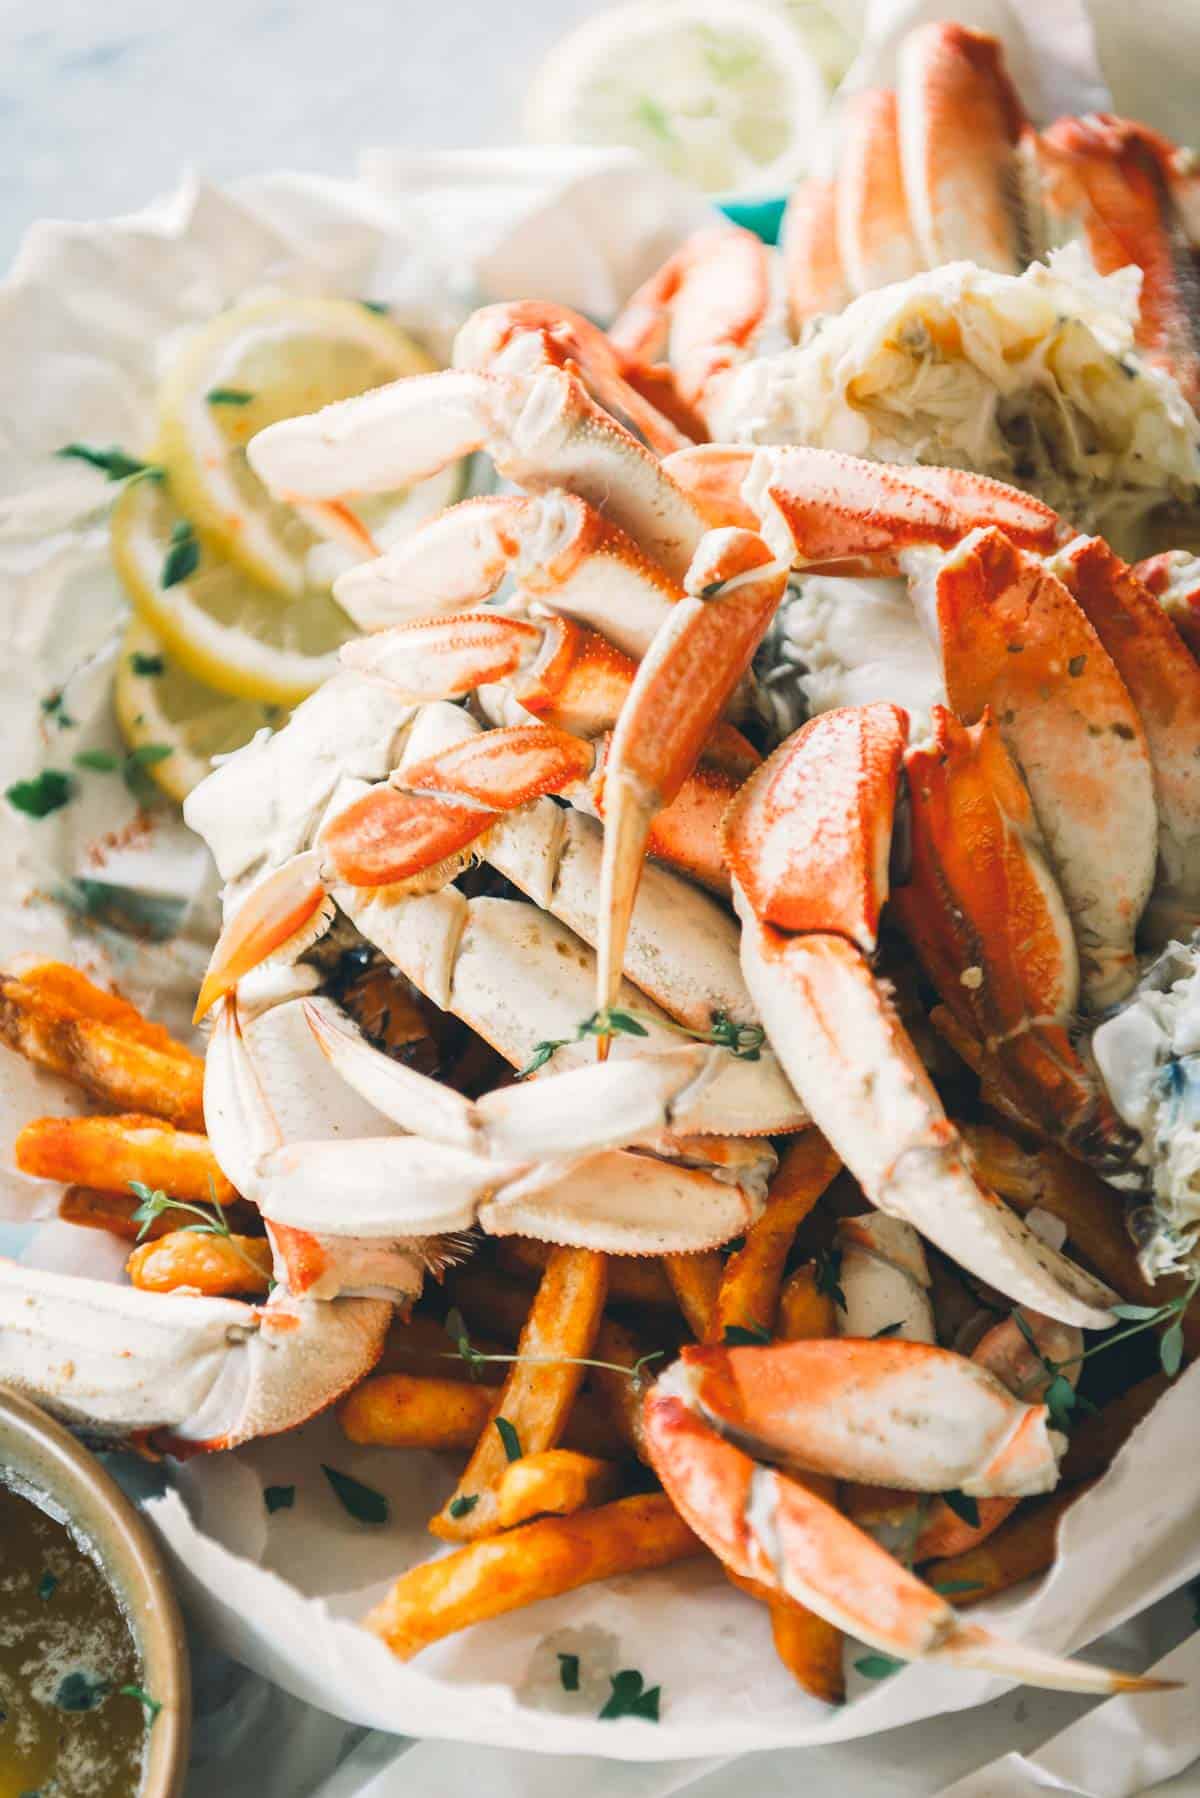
[[221, 627], [247, 368], [159, 705], [724, 93]]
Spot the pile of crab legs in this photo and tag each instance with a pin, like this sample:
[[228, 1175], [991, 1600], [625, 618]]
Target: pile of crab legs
[[1018, 850]]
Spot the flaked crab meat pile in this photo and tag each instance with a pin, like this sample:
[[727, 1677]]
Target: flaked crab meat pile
[[560, 682]]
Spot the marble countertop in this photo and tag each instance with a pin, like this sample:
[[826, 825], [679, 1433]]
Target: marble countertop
[[102, 106]]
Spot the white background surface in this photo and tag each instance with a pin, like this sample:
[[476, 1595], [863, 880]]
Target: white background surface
[[101, 103]]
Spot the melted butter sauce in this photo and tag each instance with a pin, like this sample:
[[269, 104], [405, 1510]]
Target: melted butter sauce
[[66, 1649]]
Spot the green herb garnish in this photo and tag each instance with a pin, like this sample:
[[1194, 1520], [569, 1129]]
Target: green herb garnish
[[568, 1672], [456, 1329], [99, 761], [744, 1041], [278, 1498], [829, 1275], [228, 396], [464, 1504], [963, 1506], [47, 792], [630, 1697], [363, 1502], [878, 1666], [211, 1218], [745, 1335], [47, 1585], [508, 1436], [182, 557], [112, 462], [141, 663], [81, 1692], [151, 1706]]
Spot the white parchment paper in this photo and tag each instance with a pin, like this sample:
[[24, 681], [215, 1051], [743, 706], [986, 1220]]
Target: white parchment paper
[[83, 324]]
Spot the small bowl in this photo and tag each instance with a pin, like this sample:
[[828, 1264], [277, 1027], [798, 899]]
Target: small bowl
[[41, 1451]]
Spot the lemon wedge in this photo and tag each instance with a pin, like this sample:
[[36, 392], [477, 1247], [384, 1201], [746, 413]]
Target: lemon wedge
[[723, 93], [267, 359], [219, 626], [159, 706]]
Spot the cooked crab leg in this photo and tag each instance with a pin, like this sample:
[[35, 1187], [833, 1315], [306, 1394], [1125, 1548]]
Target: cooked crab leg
[[1164, 684], [197, 1373], [402, 1188], [565, 556], [1068, 719], [706, 310], [808, 840], [812, 268], [961, 121], [521, 336], [541, 430], [1112, 182], [683, 682], [874, 235], [770, 1528]]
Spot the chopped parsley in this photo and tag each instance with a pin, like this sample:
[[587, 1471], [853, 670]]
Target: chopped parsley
[[182, 557], [278, 1498], [568, 1672], [141, 663], [630, 1697], [464, 1504], [509, 1437], [362, 1502], [47, 792], [878, 1666], [228, 396]]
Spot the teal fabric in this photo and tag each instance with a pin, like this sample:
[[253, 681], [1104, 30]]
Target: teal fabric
[[763, 216]]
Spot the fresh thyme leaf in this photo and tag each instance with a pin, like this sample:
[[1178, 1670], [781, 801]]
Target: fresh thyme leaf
[[278, 1498], [829, 1275], [541, 1055], [1136, 1313], [111, 461], [744, 1041], [509, 1437], [147, 754], [99, 761], [878, 1666], [151, 1706], [949, 1588], [81, 1692], [612, 1022], [963, 1506], [47, 1585], [362, 1502], [630, 1697], [182, 557], [887, 1330], [1060, 1401], [1170, 1349], [54, 707], [211, 1219], [568, 1672], [228, 396], [141, 663], [47, 792], [376, 306], [745, 1335], [464, 1504]]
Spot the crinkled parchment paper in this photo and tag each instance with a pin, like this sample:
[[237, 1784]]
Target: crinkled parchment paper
[[82, 324]]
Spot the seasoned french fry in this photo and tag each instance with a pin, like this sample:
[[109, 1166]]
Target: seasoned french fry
[[805, 1312], [810, 1649], [538, 1560], [695, 1280], [1096, 1439], [423, 1347], [1092, 1211], [539, 1389], [109, 1152], [490, 1301], [632, 1279], [556, 1482], [749, 1292], [58, 1019], [401, 1410], [620, 1395], [1023, 1546], [114, 1212], [212, 1265]]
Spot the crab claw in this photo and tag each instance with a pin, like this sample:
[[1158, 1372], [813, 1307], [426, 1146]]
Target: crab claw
[[542, 430], [767, 1527], [286, 911], [961, 121], [561, 551], [812, 267], [200, 1373], [1012, 637], [681, 688], [986, 918], [841, 1044], [874, 234]]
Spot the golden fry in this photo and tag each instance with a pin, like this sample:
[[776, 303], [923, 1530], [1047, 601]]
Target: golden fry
[[213, 1265], [539, 1389], [402, 1410], [110, 1152], [1092, 1211], [538, 1560], [58, 1019], [422, 1347], [620, 1395], [1096, 1439], [805, 1312], [555, 1482], [113, 1211], [810, 1649], [1023, 1546], [695, 1280], [490, 1302], [632, 1279], [749, 1290]]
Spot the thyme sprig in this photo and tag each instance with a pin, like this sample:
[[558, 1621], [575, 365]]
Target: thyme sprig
[[744, 1041], [1061, 1399], [212, 1220], [456, 1328]]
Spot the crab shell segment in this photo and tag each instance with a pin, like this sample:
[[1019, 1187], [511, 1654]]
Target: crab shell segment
[[195, 1373]]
